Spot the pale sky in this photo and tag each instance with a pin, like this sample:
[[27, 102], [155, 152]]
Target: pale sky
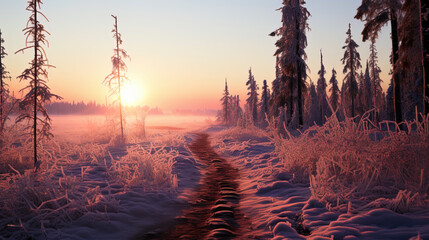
[[181, 50]]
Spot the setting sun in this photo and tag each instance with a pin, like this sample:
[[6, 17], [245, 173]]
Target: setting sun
[[132, 94]]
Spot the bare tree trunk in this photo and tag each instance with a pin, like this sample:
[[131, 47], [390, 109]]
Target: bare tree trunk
[[300, 118], [396, 79], [1, 87], [352, 79], [374, 95], [291, 107], [36, 46], [299, 75], [425, 58], [119, 77]]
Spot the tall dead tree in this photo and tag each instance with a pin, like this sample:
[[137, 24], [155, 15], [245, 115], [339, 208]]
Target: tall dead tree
[[38, 91], [116, 79]]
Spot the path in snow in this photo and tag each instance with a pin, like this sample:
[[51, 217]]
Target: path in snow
[[215, 211]]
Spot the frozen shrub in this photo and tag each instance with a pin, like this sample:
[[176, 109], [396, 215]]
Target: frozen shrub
[[147, 168], [358, 160]]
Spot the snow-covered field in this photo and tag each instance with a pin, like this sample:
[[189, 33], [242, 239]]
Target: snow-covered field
[[289, 193], [89, 187]]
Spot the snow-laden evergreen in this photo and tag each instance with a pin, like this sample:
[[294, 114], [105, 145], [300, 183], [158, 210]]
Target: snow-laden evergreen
[[321, 92], [313, 106], [376, 14], [226, 105], [236, 111], [351, 61], [334, 99], [264, 104], [367, 89], [280, 91], [290, 50], [376, 90], [360, 98], [252, 100]]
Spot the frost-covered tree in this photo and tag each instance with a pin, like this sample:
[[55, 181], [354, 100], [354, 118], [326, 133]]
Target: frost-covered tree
[[360, 99], [290, 50], [321, 91], [314, 116], [252, 100], [264, 105], [236, 111], [351, 61], [376, 14], [280, 92], [376, 90], [389, 110], [335, 91], [367, 89], [116, 79], [32, 106], [226, 105], [3, 86]]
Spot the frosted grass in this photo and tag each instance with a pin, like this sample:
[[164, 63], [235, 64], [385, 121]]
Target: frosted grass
[[77, 177], [356, 160]]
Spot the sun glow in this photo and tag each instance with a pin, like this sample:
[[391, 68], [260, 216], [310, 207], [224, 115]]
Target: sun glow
[[132, 94]]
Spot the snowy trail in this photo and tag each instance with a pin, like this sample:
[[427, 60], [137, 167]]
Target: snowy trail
[[214, 211]]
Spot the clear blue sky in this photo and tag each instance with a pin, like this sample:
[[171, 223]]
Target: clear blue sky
[[181, 50]]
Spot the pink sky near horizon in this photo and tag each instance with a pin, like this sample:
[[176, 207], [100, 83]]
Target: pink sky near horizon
[[181, 51]]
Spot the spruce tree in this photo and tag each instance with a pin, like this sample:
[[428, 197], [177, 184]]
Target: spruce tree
[[360, 103], [321, 90], [252, 100], [376, 14], [376, 90], [314, 116], [280, 91], [32, 106], [238, 110], [351, 61], [335, 91], [367, 89], [116, 79], [265, 97], [291, 52], [226, 105]]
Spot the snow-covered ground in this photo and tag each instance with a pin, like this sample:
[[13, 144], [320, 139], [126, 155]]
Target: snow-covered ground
[[91, 188], [282, 207]]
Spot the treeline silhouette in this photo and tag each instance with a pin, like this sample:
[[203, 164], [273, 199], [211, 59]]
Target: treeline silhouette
[[92, 108]]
